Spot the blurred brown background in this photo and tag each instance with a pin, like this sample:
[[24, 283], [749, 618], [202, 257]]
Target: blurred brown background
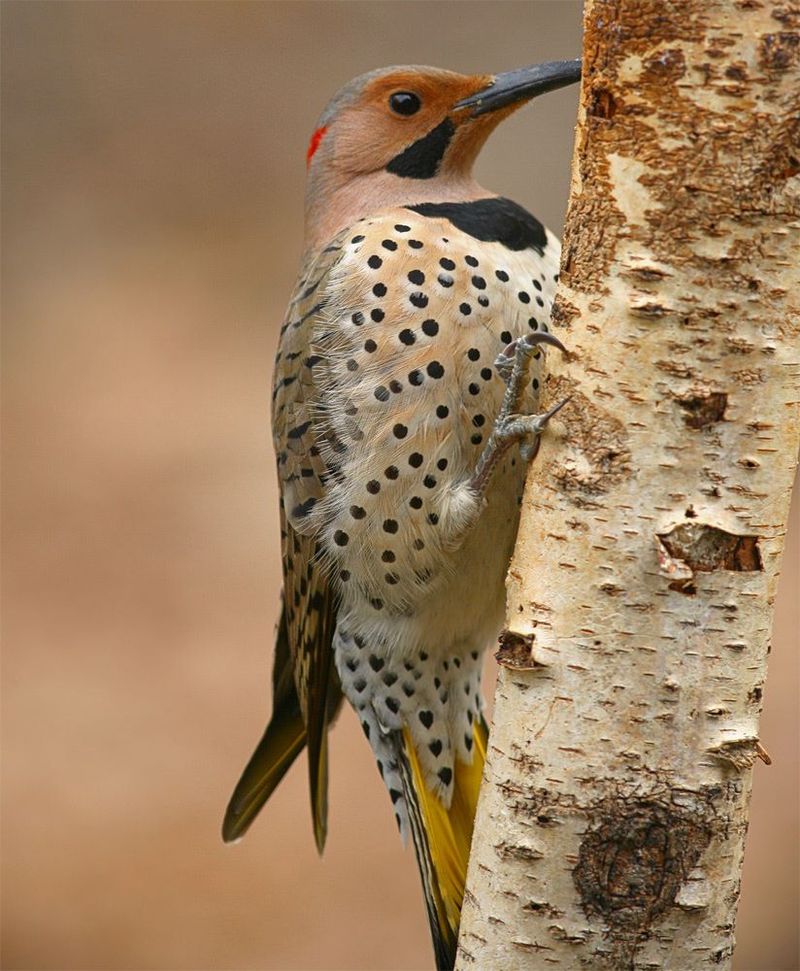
[[152, 200]]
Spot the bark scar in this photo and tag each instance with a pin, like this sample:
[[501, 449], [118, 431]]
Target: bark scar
[[633, 862], [698, 547], [703, 408], [516, 651], [741, 753]]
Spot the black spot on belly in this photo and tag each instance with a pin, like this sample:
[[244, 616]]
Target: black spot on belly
[[495, 220]]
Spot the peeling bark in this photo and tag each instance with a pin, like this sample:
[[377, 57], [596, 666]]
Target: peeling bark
[[611, 825]]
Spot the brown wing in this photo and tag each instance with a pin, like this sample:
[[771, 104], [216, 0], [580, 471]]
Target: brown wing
[[308, 597]]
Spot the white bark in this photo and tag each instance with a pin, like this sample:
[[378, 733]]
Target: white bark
[[610, 830]]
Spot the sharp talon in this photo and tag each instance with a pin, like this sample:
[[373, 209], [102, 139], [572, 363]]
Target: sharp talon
[[530, 341], [556, 408], [516, 352], [539, 422], [544, 337]]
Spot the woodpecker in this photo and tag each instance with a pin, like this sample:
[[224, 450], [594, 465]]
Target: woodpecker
[[404, 413]]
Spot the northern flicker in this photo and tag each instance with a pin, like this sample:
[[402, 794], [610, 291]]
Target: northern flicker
[[404, 413]]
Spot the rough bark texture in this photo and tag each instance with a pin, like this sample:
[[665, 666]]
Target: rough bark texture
[[610, 831]]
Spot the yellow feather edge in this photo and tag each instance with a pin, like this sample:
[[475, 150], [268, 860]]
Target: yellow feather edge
[[450, 831]]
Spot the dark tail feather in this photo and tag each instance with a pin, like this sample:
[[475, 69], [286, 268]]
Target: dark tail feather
[[282, 742], [325, 696], [442, 840], [284, 739]]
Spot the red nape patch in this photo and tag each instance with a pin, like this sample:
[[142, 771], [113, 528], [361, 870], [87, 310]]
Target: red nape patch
[[313, 145]]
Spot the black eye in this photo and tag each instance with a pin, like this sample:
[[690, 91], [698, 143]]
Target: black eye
[[404, 103]]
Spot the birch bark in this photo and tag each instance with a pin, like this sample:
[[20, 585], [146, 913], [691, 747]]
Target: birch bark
[[611, 825]]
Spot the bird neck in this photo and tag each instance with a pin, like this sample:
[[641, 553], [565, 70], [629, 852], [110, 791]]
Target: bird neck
[[330, 208]]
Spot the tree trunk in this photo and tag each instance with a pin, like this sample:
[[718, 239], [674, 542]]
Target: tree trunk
[[610, 831]]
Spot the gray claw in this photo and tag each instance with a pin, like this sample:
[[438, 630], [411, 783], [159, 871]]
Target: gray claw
[[536, 425], [504, 363], [529, 342]]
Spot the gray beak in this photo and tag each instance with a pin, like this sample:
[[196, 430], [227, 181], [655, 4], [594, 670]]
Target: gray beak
[[521, 85]]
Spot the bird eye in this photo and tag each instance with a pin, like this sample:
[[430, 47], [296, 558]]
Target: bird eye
[[405, 103]]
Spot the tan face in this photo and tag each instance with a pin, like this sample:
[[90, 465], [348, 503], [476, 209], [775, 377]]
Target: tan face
[[406, 122]]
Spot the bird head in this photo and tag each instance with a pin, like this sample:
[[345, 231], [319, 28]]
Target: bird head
[[404, 135]]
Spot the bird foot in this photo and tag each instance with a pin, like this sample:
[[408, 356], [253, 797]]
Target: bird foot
[[524, 429], [510, 427], [513, 361]]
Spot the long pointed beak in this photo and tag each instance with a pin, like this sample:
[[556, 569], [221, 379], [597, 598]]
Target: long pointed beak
[[521, 85]]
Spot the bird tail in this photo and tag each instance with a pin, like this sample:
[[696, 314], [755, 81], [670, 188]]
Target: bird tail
[[281, 743], [284, 739], [442, 839]]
